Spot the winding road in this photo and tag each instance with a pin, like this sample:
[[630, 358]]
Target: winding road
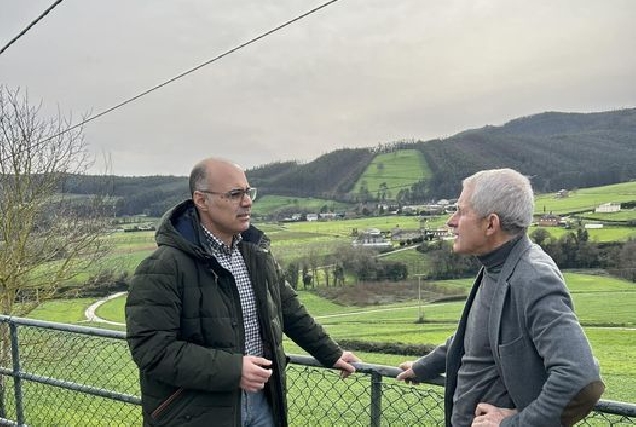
[[91, 316]]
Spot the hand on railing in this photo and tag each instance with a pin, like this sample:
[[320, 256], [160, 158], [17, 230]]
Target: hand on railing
[[407, 373], [346, 368]]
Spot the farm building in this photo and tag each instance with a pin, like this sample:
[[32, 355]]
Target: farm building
[[372, 238], [609, 207]]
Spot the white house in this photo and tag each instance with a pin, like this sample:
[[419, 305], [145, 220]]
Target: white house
[[372, 238], [609, 207]]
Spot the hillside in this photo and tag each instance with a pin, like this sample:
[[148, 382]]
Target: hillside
[[558, 150], [390, 173], [329, 176]]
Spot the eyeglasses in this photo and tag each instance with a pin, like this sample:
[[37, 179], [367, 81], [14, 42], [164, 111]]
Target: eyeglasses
[[235, 195]]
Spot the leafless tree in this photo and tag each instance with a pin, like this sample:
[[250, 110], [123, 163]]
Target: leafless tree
[[46, 236]]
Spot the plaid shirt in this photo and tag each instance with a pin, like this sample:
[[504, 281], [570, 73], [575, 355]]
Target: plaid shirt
[[232, 260]]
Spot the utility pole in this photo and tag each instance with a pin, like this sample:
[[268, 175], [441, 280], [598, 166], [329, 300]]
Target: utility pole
[[420, 318]]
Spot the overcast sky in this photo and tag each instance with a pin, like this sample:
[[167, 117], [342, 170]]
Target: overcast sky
[[355, 74]]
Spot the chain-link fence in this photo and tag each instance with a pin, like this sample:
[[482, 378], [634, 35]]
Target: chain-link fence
[[64, 375]]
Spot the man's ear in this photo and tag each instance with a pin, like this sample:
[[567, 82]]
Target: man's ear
[[200, 201], [494, 226]]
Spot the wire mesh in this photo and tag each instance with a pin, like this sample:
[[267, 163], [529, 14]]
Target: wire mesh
[[316, 396]]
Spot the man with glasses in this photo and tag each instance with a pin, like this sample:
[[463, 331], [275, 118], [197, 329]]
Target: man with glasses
[[206, 312]]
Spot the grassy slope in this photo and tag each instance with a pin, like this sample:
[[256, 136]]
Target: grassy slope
[[400, 169], [270, 204], [586, 198]]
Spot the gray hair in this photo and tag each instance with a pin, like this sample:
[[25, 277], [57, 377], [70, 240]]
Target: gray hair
[[504, 192], [198, 177]]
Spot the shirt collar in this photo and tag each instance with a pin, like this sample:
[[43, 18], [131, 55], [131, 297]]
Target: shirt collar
[[217, 245]]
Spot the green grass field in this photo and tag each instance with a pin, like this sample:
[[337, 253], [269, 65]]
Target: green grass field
[[611, 331], [345, 227], [398, 170], [586, 198], [622, 215], [270, 204], [605, 234]]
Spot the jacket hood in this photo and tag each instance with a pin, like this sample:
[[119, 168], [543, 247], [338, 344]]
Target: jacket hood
[[180, 227]]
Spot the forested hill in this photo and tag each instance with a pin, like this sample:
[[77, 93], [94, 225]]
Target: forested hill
[[559, 150], [328, 176]]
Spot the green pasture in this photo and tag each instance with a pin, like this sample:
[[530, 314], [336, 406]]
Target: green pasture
[[622, 215], [605, 234], [593, 295], [63, 310], [416, 262], [585, 198], [346, 226], [398, 170], [270, 204]]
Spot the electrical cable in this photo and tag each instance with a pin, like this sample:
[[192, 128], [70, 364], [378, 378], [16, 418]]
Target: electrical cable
[[183, 74], [31, 25]]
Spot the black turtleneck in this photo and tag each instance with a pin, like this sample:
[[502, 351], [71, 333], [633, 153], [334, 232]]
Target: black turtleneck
[[494, 261]]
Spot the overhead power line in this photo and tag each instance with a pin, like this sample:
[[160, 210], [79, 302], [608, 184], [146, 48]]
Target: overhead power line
[[35, 21], [185, 73]]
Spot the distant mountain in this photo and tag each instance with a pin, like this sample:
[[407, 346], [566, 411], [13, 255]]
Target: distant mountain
[[558, 150]]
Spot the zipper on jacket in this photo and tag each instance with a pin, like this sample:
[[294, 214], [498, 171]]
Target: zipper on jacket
[[164, 405]]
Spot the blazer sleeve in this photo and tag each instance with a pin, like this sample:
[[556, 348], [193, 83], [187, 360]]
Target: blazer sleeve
[[433, 364], [562, 345]]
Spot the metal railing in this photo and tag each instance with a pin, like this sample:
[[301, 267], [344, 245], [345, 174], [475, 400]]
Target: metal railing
[[53, 374]]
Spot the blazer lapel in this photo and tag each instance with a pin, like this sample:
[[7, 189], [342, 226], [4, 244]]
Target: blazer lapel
[[498, 301], [456, 351]]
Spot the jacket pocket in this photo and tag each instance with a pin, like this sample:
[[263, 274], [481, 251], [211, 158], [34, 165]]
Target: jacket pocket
[[522, 371], [192, 408], [168, 403]]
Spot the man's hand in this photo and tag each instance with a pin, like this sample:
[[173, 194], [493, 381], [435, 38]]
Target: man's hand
[[343, 364], [407, 373], [254, 374], [489, 415]]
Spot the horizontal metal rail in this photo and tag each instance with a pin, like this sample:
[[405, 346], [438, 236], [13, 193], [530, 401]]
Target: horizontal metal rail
[[603, 406]]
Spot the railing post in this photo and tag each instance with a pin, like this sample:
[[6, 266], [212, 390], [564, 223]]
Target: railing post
[[17, 380], [376, 398], [3, 380]]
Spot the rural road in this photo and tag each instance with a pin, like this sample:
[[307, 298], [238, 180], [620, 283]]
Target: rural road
[[91, 316]]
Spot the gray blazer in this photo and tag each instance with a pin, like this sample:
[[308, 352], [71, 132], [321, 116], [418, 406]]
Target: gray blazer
[[539, 347]]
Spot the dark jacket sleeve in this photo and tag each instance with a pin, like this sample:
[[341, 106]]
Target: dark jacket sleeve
[[153, 316], [304, 330]]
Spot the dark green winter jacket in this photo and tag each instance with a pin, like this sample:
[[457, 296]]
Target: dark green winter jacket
[[185, 327]]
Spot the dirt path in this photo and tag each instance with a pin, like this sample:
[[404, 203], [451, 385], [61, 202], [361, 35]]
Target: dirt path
[[374, 310], [91, 316]]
